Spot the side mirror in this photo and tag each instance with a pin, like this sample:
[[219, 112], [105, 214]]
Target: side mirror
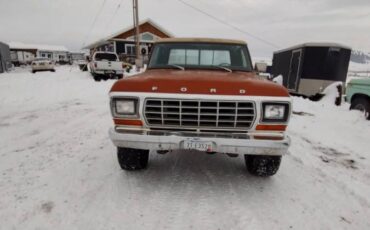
[[260, 67]]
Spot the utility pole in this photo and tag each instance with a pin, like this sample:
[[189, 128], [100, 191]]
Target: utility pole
[[138, 60]]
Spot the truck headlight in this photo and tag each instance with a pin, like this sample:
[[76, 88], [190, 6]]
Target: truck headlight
[[275, 112], [124, 107]]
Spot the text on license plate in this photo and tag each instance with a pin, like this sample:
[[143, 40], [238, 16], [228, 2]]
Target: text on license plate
[[198, 145]]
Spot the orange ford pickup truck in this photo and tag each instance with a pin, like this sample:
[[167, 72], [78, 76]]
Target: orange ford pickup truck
[[200, 95]]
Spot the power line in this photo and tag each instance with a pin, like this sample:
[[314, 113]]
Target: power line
[[228, 24], [113, 16], [93, 24]]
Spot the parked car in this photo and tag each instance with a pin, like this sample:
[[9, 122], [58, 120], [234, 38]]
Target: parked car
[[203, 95], [106, 65], [358, 94], [42, 64]]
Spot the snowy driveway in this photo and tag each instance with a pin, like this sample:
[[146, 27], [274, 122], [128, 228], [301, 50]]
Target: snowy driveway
[[59, 170]]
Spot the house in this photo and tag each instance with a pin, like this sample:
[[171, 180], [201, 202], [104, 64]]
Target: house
[[123, 42], [58, 54], [5, 63], [22, 53], [76, 56]]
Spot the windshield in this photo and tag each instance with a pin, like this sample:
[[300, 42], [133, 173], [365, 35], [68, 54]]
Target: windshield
[[105, 57], [201, 56]]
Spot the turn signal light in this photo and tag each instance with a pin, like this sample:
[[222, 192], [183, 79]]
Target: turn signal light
[[128, 122], [271, 127]]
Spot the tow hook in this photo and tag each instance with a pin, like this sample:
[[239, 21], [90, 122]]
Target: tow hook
[[232, 154], [162, 151]]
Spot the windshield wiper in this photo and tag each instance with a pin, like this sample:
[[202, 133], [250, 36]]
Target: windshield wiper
[[177, 66], [224, 68]]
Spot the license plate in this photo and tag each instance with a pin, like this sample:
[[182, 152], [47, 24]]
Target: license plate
[[203, 146]]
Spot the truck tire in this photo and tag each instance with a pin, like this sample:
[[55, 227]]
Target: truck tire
[[362, 104], [96, 77], [132, 159], [338, 100], [262, 166]]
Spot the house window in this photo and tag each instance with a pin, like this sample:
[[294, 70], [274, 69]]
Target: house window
[[130, 49], [109, 47], [43, 55], [147, 36]]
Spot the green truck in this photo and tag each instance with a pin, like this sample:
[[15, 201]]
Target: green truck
[[358, 95]]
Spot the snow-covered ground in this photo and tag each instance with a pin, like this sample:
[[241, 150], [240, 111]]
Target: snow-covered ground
[[59, 171]]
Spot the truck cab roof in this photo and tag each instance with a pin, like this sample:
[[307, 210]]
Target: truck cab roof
[[201, 40]]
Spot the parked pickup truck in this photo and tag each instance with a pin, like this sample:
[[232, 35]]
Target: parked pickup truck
[[200, 95], [358, 94], [106, 65]]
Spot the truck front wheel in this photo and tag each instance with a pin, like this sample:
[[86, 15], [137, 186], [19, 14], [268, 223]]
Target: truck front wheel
[[96, 77], [132, 159], [262, 166], [362, 104]]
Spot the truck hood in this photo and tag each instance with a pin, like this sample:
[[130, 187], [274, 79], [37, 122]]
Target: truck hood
[[199, 82], [360, 81]]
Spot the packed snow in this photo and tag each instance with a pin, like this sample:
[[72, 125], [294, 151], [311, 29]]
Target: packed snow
[[59, 170], [278, 80]]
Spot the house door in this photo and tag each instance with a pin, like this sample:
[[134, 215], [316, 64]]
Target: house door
[[295, 64]]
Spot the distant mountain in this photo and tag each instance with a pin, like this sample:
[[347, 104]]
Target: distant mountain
[[360, 57]]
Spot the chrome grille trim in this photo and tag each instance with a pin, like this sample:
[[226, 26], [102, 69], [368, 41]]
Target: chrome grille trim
[[199, 114]]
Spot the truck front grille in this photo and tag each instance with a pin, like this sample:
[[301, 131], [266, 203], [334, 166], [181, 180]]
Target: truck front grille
[[199, 113]]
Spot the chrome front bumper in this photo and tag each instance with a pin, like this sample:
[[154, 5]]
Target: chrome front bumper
[[254, 144], [104, 72]]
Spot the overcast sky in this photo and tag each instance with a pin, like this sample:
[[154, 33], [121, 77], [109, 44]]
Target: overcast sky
[[281, 22]]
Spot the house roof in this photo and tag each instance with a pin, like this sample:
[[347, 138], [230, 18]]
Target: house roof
[[206, 40], [112, 36], [24, 46]]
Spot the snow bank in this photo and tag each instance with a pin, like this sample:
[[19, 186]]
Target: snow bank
[[278, 80], [331, 93]]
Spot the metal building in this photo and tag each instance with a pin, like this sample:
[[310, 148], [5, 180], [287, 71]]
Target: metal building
[[5, 62]]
